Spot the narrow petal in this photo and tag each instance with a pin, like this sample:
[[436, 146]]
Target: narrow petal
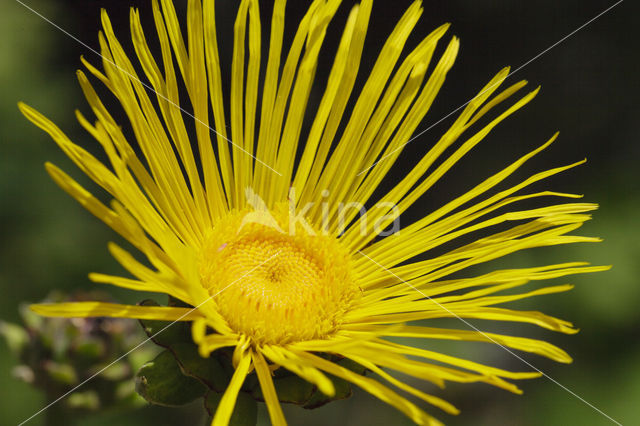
[[485, 313], [215, 93], [440, 403], [125, 283], [535, 346], [101, 309], [373, 387], [268, 390], [335, 177], [228, 401], [287, 360], [213, 342], [451, 360], [269, 90], [322, 114], [240, 159], [343, 94], [394, 358]]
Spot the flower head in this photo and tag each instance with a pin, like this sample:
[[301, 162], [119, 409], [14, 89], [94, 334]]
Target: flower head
[[261, 230]]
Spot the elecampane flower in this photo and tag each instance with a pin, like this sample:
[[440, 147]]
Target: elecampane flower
[[253, 227]]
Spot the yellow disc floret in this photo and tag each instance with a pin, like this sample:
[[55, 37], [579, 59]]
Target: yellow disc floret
[[273, 282]]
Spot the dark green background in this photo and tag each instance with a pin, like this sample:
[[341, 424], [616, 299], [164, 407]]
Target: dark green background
[[589, 92]]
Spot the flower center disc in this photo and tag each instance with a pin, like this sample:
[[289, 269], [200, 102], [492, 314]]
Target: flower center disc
[[276, 284]]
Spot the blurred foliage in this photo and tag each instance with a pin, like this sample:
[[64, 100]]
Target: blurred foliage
[[56, 355], [590, 92]]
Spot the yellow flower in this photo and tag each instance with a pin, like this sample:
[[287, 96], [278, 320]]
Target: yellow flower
[[263, 234]]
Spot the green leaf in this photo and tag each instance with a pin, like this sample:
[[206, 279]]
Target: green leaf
[[162, 383], [290, 389], [245, 412], [165, 333], [208, 370]]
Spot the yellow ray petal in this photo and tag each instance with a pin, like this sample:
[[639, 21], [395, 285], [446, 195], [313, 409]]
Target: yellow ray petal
[[300, 96], [376, 172], [421, 230], [85, 161], [437, 374], [216, 200], [347, 81], [240, 160], [213, 342], [451, 360], [268, 390], [228, 401], [287, 360], [251, 95], [468, 300], [373, 387], [331, 178], [433, 400], [431, 288], [414, 194], [322, 114], [215, 94], [101, 309], [165, 281], [416, 113], [87, 200], [109, 129], [272, 180], [485, 313], [269, 92], [97, 73], [537, 233], [125, 283], [175, 127], [535, 346], [150, 133], [390, 113]]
